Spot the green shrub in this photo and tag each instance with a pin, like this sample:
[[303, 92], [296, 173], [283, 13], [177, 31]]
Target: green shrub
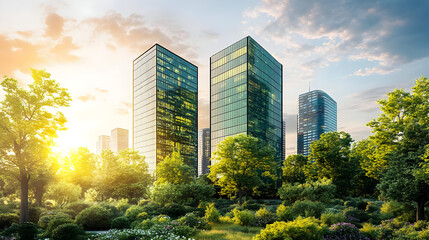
[[173, 210], [300, 208], [244, 217], [54, 223], [94, 218], [370, 231], [332, 218], [300, 228], [264, 217], [47, 217], [7, 219], [191, 220], [284, 213], [361, 205], [77, 207], [251, 205], [372, 207], [212, 214], [152, 208], [34, 213], [186, 194], [392, 207], [25, 231], [346, 231], [354, 215], [320, 190], [133, 212], [120, 223], [69, 231]]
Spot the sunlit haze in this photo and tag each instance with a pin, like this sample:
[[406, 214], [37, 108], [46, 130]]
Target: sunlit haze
[[356, 51]]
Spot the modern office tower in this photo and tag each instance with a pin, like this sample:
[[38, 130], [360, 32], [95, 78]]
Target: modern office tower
[[246, 94], [165, 106], [103, 143], [204, 153], [317, 114], [283, 140], [119, 139]]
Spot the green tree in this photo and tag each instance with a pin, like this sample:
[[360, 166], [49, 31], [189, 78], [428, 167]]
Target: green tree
[[124, 175], [79, 168], [330, 158], [28, 124], [402, 132], [293, 168], [173, 170], [42, 177], [240, 163], [365, 180], [63, 193]]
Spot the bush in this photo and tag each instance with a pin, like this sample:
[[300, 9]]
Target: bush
[[152, 208], [332, 218], [120, 223], [54, 223], [346, 231], [160, 233], [212, 214], [300, 208], [372, 207], [354, 215], [244, 218], [25, 231], [193, 221], [371, 231], [264, 217], [133, 212], [320, 190], [69, 231], [251, 205], [173, 210], [7, 219], [186, 194], [47, 217], [300, 228], [77, 207], [34, 213], [94, 218]]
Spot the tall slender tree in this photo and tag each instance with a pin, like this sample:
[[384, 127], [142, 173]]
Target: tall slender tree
[[28, 123]]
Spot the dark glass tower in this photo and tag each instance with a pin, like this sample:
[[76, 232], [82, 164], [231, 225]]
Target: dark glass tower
[[165, 104], [204, 153], [317, 114], [246, 94]]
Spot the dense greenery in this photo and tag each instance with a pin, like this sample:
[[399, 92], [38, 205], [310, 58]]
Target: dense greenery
[[374, 189]]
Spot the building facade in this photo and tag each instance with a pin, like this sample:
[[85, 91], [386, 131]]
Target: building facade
[[246, 94], [204, 153], [165, 106], [119, 139], [317, 114], [284, 140], [103, 143]]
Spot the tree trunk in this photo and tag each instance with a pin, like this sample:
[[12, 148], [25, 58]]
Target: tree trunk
[[38, 194], [24, 215], [420, 214]]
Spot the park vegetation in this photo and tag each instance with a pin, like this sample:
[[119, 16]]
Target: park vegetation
[[377, 188]]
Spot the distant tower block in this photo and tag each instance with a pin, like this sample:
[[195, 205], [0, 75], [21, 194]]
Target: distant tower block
[[103, 143], [119, 139]]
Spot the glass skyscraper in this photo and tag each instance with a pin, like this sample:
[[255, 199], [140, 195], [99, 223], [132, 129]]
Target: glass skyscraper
[[246, 94], [204, 153], [165, 104], [317, 114]]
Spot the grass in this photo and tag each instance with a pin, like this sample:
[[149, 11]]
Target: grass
[[228, 231]]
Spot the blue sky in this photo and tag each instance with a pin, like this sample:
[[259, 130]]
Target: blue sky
[[356, 51]]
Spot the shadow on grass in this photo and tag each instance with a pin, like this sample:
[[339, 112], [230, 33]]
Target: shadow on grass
[[229, 232]]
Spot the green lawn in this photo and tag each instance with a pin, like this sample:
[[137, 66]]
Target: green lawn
[[228, 231]]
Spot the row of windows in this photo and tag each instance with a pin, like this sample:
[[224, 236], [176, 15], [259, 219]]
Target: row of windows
[[175, 79], [230, 49], [228, 115], [253, 70], [144, 58], [257, 58], [229, 65], [228, 108], [145, 77], [230, 92], [176, 60], [229, 123], [228, 100], [149, 65], [239, 69], [227, 84], [253, 44], [240, 52], [218, 136]]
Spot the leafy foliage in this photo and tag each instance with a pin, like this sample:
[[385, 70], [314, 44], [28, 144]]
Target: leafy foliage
[[187, 193], [69, 231], [320, 190], [63, 193], [293, 169], [173, 170], [300, 228], [212, 214], [94, 218], [239, 164]]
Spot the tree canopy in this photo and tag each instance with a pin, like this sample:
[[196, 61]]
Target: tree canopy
[[240, 163], [29, 121], [173, 170]]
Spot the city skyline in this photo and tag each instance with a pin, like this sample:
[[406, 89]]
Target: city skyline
[[355, 51]]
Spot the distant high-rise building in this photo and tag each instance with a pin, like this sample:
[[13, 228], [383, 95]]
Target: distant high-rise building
[[284, 140], [317, 114], [204, 153], [246, 94], [103, 143], [119, 139], [165, 105]]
